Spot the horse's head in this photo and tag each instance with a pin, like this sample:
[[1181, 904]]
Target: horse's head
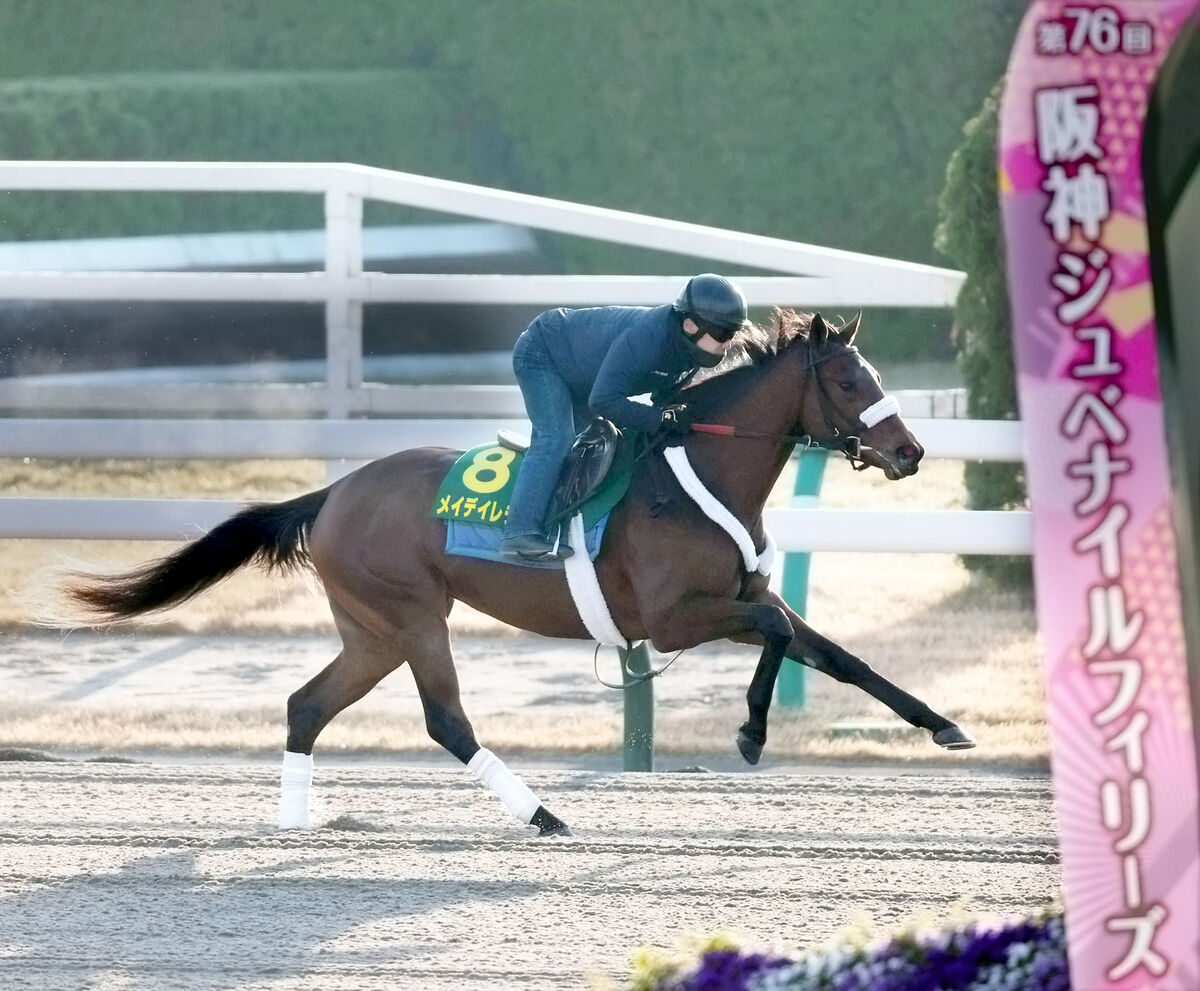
[[845, 407]]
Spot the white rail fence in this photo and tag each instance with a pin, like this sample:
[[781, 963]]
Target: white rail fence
[[906, 531], [949, 531], [813, 277], [810, 276]]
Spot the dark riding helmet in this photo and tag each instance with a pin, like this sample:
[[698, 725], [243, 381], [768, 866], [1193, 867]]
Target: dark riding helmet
[[716, 304]]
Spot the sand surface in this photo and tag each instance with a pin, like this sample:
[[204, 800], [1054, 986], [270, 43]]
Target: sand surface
[[90, 693], [499, 675], [169, 874]]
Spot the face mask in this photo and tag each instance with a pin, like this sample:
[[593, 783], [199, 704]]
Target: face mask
[[701, 357]]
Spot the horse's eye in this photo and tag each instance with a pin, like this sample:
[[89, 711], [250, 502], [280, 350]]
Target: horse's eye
[[846, 386]]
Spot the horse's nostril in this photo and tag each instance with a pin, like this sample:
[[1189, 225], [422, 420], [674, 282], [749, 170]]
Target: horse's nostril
[[908, 452]]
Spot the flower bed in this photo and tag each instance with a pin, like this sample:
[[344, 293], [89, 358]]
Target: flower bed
[[1013, 955]]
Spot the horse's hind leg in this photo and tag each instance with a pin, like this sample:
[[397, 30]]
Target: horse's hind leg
[[364, 661], [432, 666], [420, 637]]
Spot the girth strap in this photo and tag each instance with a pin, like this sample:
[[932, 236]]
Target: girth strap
[[585, 589]]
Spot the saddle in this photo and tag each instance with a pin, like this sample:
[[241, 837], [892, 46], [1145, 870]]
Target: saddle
[[586, 469]]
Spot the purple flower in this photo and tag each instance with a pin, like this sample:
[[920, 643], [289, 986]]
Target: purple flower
[[1020, 955], [728, 970]]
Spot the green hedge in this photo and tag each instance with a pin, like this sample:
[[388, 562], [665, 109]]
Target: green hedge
[[970, 233], [85, 38], [273, 116], [823, 122]]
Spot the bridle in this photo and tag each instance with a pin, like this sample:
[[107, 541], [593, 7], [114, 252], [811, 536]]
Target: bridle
[[845, 440]]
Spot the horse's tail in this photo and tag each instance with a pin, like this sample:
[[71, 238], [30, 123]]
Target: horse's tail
[[274, 535]]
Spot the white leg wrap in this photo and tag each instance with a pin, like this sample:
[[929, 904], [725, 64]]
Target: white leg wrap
[[295, 781], [510, 789]]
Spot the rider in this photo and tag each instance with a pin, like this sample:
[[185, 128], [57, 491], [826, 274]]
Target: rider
[[573, 365]]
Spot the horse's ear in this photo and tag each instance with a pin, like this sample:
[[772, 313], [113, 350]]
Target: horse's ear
[[850, 330], [818, 331]]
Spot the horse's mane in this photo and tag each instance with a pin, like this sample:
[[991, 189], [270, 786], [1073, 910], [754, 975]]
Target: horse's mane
[[751, 348], [758, 344]]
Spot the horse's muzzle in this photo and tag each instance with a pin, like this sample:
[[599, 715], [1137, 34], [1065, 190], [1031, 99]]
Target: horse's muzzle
[[908, 458]]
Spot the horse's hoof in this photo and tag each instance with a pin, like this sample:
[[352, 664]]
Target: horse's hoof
[[549, 824], [750, 749], [953, 738]]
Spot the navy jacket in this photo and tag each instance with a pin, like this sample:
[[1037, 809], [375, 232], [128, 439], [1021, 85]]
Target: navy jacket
[[606, 354]]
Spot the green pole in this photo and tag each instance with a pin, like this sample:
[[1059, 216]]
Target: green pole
[[639, 709], [810, 469]]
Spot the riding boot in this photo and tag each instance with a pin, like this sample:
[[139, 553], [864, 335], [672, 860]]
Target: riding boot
[[529, 545], [533, 546]]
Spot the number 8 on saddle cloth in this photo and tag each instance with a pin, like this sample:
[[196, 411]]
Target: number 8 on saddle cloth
[[474, 496]]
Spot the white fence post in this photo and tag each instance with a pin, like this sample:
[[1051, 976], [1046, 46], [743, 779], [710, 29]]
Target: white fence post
[[343, 307]]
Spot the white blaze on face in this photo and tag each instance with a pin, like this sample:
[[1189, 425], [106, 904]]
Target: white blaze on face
[[879, 411], [871, 368]]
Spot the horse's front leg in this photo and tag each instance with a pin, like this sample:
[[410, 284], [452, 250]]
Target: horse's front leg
[[695, 621], [752, 735], [807, 646]]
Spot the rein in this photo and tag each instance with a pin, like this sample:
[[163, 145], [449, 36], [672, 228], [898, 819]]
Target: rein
[[850, 446]]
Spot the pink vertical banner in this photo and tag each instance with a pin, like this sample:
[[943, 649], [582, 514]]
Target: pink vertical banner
[[1079, 84]]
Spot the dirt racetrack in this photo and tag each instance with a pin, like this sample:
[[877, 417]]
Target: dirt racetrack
[[169, 874]]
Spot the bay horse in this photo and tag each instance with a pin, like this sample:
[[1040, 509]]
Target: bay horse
[[668, 573]]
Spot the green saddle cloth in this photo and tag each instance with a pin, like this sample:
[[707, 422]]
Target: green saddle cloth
[[478, 488]]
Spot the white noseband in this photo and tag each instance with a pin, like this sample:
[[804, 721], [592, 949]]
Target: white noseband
[[880, 411]]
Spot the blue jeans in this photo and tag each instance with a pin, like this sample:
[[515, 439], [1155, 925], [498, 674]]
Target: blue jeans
[[551, 411]]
